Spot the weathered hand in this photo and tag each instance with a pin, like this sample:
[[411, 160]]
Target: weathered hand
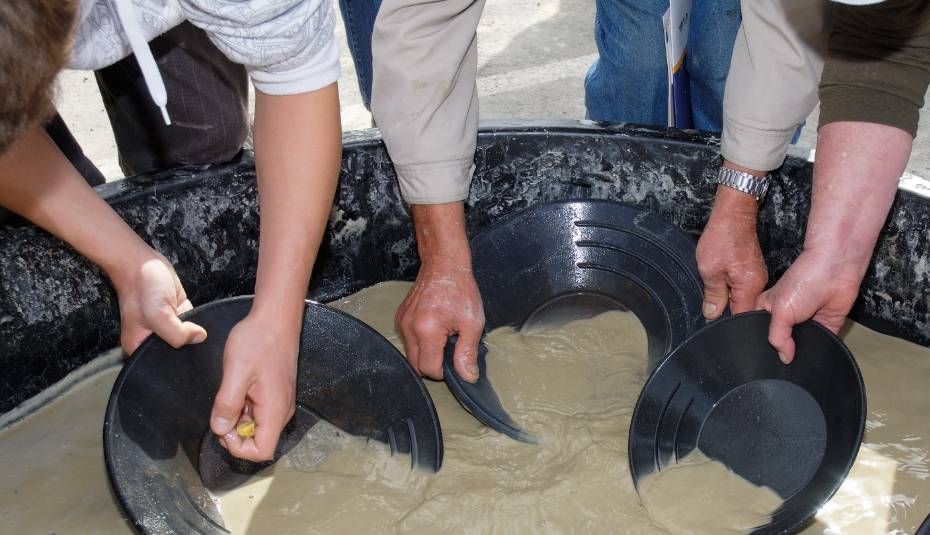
[[259, 383], [817, 286], [855, 180], [150, 299], [729, 257], [444, 301]]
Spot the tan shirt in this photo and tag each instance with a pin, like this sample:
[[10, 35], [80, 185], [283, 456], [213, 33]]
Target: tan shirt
[[772, 85], [424, 95]]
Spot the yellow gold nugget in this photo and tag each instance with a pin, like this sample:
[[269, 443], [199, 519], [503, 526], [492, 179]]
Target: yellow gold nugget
[[246, 429]]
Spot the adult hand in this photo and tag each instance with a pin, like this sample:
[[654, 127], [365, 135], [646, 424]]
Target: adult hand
[[728, 255], [444, 299], [818, 286], [259, 383], [855, 180], [150, 299]]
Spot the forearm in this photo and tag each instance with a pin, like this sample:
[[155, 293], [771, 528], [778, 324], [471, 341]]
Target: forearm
[[855, 180], [40, 184], [297, 151], [424, 97], [441, 238]]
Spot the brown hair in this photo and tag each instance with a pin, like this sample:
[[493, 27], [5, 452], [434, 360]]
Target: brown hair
[[35, 39]]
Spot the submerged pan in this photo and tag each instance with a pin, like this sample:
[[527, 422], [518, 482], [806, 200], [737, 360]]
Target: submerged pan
[[567, 260], [158, 414], [795, 429]]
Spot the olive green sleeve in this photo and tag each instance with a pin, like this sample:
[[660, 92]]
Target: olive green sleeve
[[878, 64]]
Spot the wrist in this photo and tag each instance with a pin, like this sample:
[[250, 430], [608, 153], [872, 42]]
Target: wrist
[[283, 318], [842, 257], [125, 267], [730, 203], [751, 182], [441, 238], [754, 172]]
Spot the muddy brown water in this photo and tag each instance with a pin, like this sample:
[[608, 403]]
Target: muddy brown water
[[52, 477]]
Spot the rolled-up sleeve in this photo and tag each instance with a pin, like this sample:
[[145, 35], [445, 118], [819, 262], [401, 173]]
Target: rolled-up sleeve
[[287, 46], [772, 84], [424, 95], [878, 64]]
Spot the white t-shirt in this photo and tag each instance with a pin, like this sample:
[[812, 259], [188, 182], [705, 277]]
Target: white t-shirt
[[287, 46]]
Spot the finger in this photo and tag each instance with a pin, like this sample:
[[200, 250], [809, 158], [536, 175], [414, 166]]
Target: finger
[[780, 334], [431, 340], [764, 302], [411, 348], [465, 358], [743, 297], [176, 333], [431, 352], [231, 441], [229, 402], [716, 295], [269, 422], [185, 306]]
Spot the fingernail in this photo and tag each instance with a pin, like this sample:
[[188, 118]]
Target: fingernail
[[222, 442], [199, 338], [221, 424], [472, 370], [709, 309], [783, 357]]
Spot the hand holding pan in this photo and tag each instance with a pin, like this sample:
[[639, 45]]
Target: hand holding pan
[[793, 428], [160, 453], [567, 260]]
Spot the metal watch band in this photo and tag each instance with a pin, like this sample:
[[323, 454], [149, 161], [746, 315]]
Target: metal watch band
[[740, 181]]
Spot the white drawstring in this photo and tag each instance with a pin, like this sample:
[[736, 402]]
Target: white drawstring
[[140, 47]]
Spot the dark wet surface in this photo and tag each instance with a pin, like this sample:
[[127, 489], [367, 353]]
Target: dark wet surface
[[57, 311]]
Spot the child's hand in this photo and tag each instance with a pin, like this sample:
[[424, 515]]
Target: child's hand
[[150, 299], [259, 383]]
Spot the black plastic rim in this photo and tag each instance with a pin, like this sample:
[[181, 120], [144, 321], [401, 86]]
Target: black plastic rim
[[591, 255], [650, 448], [156, 483]]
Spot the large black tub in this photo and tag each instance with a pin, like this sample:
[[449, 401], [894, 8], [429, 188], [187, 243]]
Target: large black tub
[[57, 311]]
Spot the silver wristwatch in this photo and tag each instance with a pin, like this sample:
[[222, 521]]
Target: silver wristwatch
[[740, 181]]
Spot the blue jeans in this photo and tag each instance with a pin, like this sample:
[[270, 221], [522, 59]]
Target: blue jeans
[[629, 81], [359, 19]]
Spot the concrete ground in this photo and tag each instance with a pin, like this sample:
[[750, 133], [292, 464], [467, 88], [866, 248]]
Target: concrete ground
[[533, 55]]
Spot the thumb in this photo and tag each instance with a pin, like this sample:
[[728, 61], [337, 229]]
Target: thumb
[[171, 330], [229, 403], [465, 358], [176, 333], [716, 295]]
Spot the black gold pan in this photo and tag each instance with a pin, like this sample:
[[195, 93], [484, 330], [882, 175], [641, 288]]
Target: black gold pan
[[160, 455], [794, 428], [561, 261]]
